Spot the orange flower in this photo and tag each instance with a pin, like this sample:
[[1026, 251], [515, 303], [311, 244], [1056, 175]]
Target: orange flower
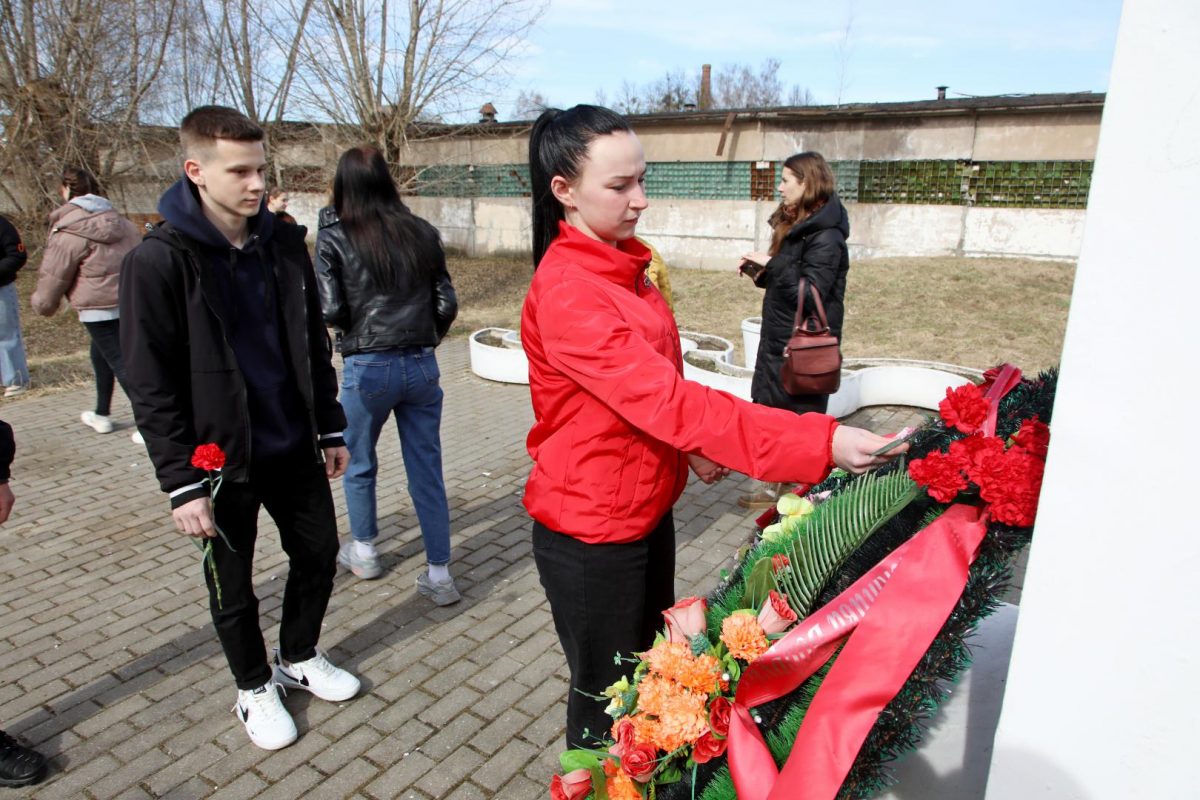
[[619, 785], [744, 637], [675, 661], [669, 716]]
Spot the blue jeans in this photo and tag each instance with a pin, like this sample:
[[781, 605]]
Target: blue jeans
[[402, 383], [13, 369]]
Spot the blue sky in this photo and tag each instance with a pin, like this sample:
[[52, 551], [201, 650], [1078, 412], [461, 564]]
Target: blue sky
[[864, 50]]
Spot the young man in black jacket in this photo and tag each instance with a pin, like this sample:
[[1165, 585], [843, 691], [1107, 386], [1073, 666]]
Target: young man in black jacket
[[14, 371], [19, 765], [223, 343]]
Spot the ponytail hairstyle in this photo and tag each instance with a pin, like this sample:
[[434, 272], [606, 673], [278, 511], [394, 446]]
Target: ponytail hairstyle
[[392, 242], [78, 182], [811, 168], [558, 146]]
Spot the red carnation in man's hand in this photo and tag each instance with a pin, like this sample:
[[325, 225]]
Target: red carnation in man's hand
[[208, 457]]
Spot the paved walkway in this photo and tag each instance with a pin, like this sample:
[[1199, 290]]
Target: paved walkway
[[108, 664]]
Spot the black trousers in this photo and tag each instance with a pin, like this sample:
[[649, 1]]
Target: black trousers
[[605, 599], [106, 361], [295, 492]]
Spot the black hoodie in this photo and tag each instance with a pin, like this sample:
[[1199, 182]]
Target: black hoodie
[[247, 303], [191, 307]]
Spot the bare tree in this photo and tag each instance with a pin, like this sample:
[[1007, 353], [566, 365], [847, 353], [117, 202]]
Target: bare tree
[[377, 67], [629, 100], [74, 76], [255, 46], [800, 97], [844, 47], [529, 104], [739, 86], [735, 86]]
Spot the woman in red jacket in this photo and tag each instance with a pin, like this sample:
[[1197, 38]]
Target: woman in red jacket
[[616, 425]]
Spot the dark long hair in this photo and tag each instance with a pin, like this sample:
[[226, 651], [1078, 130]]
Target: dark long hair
[[80, 182], [811, 168], [558, 145], [392, 242]]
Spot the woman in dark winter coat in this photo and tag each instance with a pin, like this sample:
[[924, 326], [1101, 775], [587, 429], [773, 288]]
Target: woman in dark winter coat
[[809, 241]]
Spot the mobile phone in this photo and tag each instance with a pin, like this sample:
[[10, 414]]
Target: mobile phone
[[903, 436], [750, 269]]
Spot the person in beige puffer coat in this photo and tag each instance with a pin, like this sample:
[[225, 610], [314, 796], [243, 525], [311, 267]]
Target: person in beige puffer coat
[[87, 242]]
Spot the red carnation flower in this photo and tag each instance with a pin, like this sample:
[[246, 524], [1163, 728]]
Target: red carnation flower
[[708, 747], [964, 408], [978, 456], [940, 474], [1033, 437], [208, 457], [1013, 496], [779, 562]]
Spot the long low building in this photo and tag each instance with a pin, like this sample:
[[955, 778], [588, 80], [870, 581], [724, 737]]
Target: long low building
[[994, 176], [984, 176]]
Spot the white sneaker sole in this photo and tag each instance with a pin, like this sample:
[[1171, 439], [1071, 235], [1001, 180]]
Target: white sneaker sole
[[272, 745]]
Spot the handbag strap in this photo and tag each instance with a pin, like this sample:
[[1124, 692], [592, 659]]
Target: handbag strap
[[801, 321]]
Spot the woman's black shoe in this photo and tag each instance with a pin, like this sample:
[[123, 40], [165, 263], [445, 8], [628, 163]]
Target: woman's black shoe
[[19, 765]]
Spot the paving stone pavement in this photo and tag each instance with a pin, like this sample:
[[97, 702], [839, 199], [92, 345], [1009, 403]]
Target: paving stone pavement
[[109, 666]]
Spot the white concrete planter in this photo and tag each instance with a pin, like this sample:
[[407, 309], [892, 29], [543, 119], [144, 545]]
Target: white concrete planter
[[900, 383], [751, 331], [865, 382], [720, 375], [505, 363], [708, 346]]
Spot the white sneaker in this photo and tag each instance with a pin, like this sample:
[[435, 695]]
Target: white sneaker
[[318, 676], [269, 724], [96, 422], [137, 437]]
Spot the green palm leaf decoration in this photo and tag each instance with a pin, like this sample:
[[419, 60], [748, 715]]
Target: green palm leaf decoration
[[819, 543]]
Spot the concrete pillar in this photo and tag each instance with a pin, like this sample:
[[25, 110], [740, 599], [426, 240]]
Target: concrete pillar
[[1104, 684]]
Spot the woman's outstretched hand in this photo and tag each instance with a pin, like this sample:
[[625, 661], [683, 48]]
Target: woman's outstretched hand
[[706, 470], [852, 449]]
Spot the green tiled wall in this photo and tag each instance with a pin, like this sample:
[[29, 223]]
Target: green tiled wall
[[1022, 184]]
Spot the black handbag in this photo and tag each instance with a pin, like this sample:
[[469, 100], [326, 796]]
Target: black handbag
[[812, 359]]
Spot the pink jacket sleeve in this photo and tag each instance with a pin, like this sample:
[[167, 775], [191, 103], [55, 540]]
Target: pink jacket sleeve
[[58, 270]]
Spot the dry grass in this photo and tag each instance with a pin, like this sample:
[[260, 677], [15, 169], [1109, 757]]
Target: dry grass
[[490, 291], [973, 312]]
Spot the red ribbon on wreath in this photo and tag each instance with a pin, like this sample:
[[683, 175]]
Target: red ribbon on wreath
[[887, 620]]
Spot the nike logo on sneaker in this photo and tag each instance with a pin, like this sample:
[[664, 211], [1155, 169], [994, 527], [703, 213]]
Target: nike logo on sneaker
[[291, 676]]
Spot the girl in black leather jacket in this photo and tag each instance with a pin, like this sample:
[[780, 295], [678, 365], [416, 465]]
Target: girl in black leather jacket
[[385, 289]]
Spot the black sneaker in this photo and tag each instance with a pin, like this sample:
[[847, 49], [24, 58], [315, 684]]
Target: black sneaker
[[19, 765]]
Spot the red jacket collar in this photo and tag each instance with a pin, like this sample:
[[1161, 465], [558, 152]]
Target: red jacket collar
[[621, 264]]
